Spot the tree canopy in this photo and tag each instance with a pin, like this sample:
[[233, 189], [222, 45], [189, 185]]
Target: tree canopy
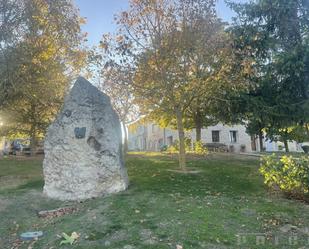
[[38, 60], [271, 39], [176, 49]]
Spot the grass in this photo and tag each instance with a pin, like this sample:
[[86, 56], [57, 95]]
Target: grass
[[223, 206]]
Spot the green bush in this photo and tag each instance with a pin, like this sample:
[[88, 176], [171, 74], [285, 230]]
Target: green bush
[[289, 174], [174, 148], [188, 143], [200, 149]]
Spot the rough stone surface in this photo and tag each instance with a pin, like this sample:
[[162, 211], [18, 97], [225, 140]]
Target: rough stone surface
[[83, 154]]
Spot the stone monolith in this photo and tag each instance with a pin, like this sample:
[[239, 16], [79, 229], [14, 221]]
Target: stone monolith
[[83, 154]]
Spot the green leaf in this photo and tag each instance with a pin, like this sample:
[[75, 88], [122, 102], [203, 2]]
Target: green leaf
[[69, 239]]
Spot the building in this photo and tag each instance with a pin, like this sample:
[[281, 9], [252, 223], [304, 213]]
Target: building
[[151, 137]]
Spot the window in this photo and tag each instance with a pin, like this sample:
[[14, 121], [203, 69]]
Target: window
[[215, 136], [233, 136]]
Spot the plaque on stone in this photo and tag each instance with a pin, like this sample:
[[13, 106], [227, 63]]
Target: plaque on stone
[[80, 132]]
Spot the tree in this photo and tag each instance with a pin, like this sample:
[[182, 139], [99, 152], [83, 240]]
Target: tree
[[117, 85], [160, 36], [206, 43], [111, 67], [10, 19], [271, 39], [37, 68]]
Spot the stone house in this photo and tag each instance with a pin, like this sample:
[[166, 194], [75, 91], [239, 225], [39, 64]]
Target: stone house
[[151, 137]]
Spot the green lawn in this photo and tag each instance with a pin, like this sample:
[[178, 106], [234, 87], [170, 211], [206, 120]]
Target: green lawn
[[215, 208]]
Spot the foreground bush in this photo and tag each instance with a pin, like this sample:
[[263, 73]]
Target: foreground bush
[[289, 174]]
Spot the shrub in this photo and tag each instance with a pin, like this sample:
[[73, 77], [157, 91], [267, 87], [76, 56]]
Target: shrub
[[200, 149], [174, 148], [289, 174], [188, 143]]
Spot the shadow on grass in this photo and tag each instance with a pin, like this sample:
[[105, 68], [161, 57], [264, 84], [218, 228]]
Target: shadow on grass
[[216, 177], [36, 184]]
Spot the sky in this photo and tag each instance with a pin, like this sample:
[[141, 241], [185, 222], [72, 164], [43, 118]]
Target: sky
[[100, 16]]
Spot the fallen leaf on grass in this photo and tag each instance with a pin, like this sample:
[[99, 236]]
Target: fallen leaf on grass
[[69, 239]]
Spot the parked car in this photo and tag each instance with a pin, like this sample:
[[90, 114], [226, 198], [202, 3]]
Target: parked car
[[22, 147]]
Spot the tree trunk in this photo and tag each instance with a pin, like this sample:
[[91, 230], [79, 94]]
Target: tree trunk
[[198, 126], [164, 136], [33, 130], [125, 142], [285, 140], [181, 134], [33, 141], [286, 145], [198, 134], [261, 141]]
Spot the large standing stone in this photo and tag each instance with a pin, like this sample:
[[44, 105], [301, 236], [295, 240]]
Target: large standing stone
[[83, 155]]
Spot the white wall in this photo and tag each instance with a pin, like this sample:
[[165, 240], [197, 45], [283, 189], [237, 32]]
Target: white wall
[[224, 132], [274, 146], [136, 138], [154, 136]]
